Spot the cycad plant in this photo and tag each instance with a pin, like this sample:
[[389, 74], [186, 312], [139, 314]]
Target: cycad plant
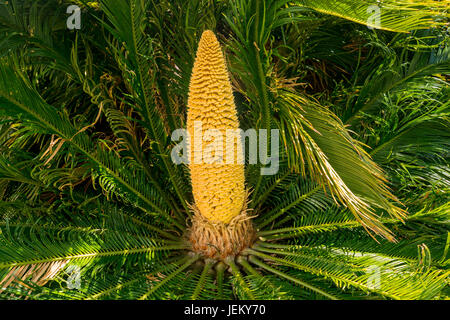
[[92, 205]]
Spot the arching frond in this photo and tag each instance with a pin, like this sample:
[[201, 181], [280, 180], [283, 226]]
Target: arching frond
[[368, 272], [397, 16]]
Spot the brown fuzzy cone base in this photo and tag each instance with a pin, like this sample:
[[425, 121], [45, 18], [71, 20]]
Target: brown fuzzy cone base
[[218, 240]]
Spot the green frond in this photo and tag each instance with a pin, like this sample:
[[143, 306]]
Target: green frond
[[241, 286], [286, 276], [49, 246], [161, 283], [394, 278], [336, 218], [128, 21], [396, 16], [326, 149], [53, 122], [295, 199]]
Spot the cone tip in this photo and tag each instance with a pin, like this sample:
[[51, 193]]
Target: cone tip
[[208, 36]]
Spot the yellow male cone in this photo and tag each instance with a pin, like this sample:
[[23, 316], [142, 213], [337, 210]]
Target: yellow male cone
[[218, 188]]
